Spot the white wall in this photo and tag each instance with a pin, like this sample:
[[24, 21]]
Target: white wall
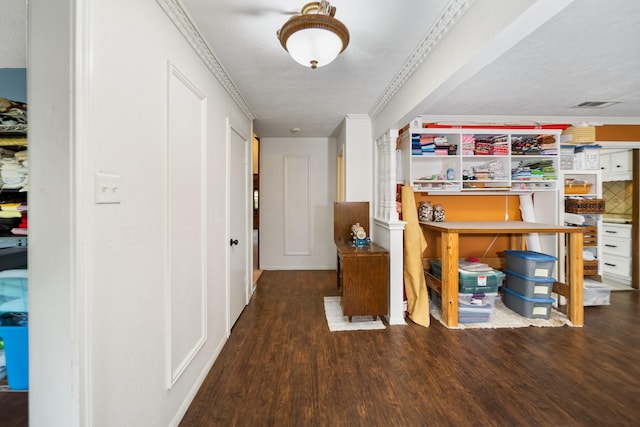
[[297, 191], [105, 325], [358, 159]]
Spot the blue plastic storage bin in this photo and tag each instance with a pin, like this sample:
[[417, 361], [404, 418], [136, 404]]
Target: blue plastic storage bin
[[530, 263], [16, 352], [531, 287], [532, 308]]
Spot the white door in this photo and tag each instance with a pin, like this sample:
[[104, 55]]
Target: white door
[[239, 241]]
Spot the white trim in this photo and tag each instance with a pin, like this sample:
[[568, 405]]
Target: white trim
[[179, 16], [81, 214], [452, 13], [287, 210], [175, 373]]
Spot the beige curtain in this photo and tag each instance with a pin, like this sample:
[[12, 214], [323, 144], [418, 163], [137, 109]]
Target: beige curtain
[[415, 284]]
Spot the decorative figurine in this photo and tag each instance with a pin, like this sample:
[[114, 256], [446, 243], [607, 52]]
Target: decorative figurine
[[359, 236]]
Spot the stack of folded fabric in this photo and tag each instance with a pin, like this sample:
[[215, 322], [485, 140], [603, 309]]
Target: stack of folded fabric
[[500, 145], [547, 144], [468, 145], [14, 170], [13, 218], [422, 144]]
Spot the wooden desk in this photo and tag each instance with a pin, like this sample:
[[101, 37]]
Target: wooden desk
[[450, 234], [363, 276]]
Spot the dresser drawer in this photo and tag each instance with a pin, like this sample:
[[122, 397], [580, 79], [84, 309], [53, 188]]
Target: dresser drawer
[[617, 230], [617, 265], [615, 246]]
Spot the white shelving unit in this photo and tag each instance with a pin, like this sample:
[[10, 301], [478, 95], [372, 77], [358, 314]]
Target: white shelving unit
[[437, 160], [592, 222]]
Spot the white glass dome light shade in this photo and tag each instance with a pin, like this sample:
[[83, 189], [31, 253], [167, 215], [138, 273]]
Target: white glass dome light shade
[[313, 39], [314, 44]]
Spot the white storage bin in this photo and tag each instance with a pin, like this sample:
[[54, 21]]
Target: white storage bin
[[596, 294]]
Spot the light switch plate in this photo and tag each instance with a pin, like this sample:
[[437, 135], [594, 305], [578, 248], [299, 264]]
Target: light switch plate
[[107, 188]]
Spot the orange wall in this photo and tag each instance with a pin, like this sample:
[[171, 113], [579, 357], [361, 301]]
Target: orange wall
[[630, 133], [472, 208]]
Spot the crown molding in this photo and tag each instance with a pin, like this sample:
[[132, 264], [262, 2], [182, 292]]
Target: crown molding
[[454, 10], [176, 12]]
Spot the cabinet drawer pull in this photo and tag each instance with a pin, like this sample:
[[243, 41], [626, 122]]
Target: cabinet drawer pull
[[611, 232], [611, 246], [609, 264]]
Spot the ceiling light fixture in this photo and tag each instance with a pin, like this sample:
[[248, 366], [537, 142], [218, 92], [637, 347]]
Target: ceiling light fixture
[[314, 38]]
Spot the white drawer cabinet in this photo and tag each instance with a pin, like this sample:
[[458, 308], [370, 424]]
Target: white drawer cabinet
[[617, 246], [617, 252], [616, 266], [615, 165]]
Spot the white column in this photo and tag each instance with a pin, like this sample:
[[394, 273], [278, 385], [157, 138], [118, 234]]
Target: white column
[[389, 230], [386, 177]]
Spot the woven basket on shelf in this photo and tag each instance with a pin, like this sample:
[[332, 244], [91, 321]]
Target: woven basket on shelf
[[577, 188], [584, 206], [590, 267], [590, 234], [581, 134]]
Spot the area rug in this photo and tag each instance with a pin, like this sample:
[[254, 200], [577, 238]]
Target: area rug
[[503, 317], [339, 322]]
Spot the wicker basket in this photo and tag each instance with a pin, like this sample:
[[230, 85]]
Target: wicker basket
[[590, 267], [590, 235], [577, 187], [580, 134], [584, 206]]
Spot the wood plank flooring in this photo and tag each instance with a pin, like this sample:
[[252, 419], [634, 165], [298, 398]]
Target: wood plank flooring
[[282, 367]]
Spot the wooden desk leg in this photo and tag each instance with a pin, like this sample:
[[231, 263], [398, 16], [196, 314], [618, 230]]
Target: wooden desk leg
[[575, 265], [450, 250]]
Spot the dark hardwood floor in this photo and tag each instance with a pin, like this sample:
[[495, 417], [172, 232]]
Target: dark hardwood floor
[[282, 367], [13, 408]]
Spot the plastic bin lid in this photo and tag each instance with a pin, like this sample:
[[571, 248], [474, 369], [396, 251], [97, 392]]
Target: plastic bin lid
[[536, 256], [533, 279], [538, 300]]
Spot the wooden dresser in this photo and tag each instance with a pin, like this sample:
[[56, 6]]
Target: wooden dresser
[[363, 273]]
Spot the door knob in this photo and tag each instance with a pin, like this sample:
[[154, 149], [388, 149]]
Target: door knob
[[233, 242]]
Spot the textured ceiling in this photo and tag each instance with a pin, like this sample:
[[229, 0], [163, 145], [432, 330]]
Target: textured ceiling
[[590, 51], [283, 94]]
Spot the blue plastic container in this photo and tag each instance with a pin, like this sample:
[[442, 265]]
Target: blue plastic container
[[530, 263], [532, 308], [16, 352], [532, 287]]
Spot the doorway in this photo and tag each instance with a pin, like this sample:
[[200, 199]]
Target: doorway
[[256, 208]]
